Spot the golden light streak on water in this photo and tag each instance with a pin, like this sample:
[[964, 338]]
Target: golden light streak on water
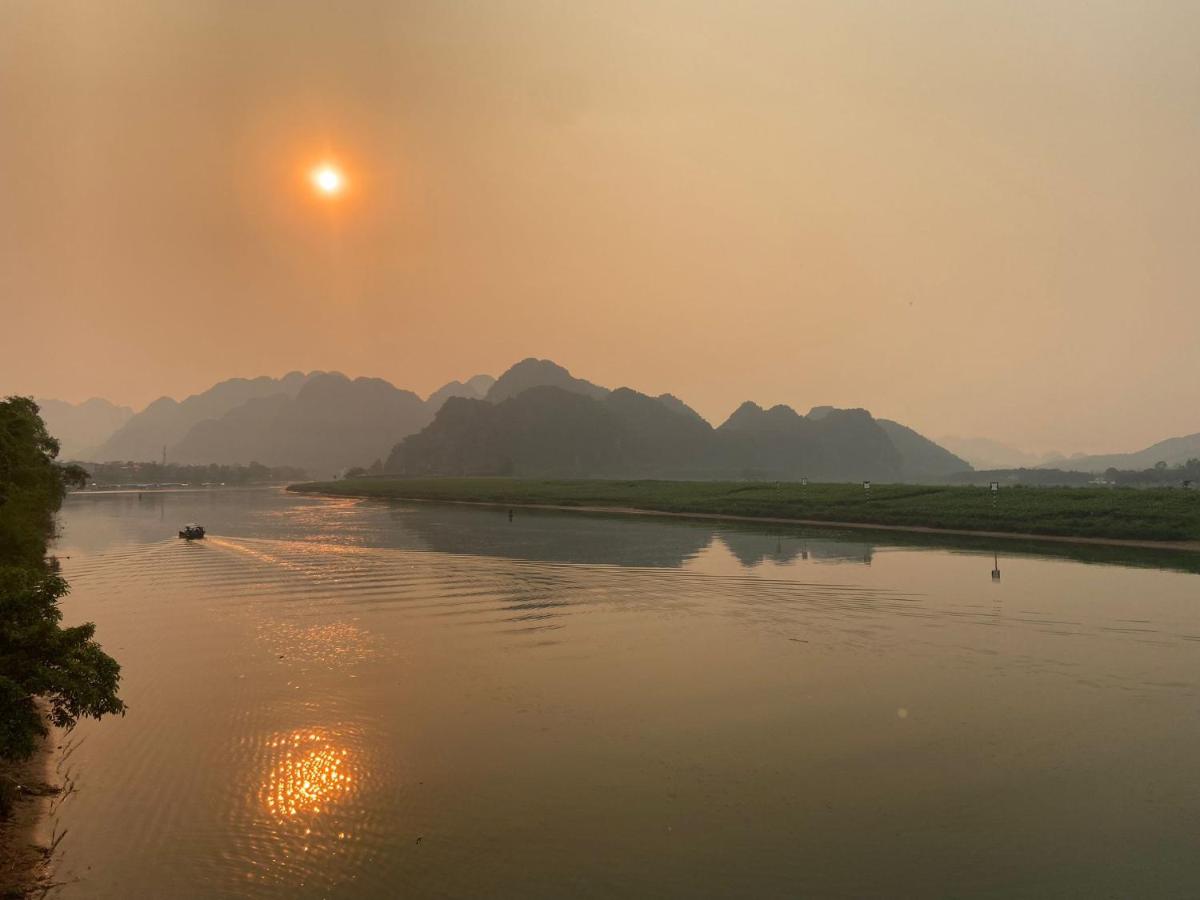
[[313, 776], [571, 705], [331, 644]]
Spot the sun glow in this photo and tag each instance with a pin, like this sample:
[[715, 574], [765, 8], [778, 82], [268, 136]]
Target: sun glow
[[312, 776], [328, 179]]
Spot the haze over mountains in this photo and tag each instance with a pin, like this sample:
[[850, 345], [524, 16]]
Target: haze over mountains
[[536, 419], [539, 420], [985, 453], [330, 423], [82, 427], [167, 421], [1173, 451], [320, 421]]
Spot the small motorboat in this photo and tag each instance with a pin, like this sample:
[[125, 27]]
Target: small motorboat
[[192, 532]]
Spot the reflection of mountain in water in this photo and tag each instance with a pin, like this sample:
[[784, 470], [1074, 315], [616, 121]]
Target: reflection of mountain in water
[[547, 536], [541, 535], [754, 547], [551, 536], [554, 537]]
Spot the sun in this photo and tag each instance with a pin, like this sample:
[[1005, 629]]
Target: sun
[[328, 179]]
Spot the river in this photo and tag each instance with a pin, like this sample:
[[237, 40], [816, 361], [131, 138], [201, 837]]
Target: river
[[343, 698]]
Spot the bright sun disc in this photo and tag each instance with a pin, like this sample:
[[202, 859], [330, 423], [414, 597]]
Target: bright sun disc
[[327, 179]]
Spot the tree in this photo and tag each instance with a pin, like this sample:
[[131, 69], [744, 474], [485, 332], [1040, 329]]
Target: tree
[[40, 660], [46, 671], [31, 485]]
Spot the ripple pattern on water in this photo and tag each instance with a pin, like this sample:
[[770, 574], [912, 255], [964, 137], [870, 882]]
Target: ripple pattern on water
[[331, 711]]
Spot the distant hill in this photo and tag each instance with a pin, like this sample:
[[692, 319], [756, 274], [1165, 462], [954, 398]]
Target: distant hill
[[673, 403], [835, 445], [320, 421], [475, 388], [331, 423], [984, 453], [531, 372], [923, 459], [1173, 451], [548, 430], [539, 420], [481, 384], [535, 419], [82, 427], [165, 421]]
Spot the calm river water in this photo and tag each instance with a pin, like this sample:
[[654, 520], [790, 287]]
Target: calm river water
[[338, 698]]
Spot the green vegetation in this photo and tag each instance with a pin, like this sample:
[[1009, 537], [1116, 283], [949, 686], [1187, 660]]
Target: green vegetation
[[120, 474], [1160, 475], [1112, 513], [46, 671]]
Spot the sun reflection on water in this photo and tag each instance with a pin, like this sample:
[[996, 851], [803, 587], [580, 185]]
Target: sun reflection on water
[[313, 776], [331, 644]]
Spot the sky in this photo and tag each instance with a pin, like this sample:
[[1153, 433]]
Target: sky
[[976, 218]]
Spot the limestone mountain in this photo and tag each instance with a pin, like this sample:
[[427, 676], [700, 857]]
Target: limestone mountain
[[550, 431], [331, 423], [1173, 451], [165, 421], [536, 419], [530, 373], [81, 427], [836, 444], [923, 460], [551, 424], [475, 388]]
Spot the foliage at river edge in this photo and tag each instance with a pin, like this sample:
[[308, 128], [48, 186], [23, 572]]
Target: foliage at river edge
[[48, 673]]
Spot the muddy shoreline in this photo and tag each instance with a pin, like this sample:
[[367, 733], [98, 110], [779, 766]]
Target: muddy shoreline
[[25, 851]]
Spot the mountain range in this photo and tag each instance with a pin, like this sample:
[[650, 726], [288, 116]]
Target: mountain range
[[1173, 451], [985, 453], [330, 423], [536, 419], [539, 420], [166, 421], [322, 422]]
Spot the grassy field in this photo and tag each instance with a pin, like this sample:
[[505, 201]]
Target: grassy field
[[1112, 513]]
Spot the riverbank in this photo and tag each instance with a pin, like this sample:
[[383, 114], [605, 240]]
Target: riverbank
[[1164, 519], [27, 795]]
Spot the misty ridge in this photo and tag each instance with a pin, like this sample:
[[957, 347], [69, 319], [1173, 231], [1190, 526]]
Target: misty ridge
[[986, 454], [536, 420], [539, 420], [320, 422], [81, 427]]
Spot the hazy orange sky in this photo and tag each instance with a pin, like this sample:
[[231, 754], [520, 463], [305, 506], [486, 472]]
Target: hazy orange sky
[[975, 217]]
